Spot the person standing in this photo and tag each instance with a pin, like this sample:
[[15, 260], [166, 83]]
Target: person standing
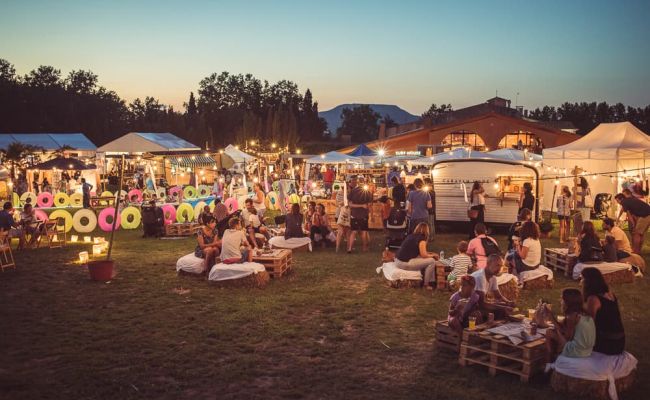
[[476, 207], [583, 199], [419, 203], [258, 200], [399, 192], [85, 190], [564, 201], [328, 179], [640, 212], [527, 199], [359, 200]]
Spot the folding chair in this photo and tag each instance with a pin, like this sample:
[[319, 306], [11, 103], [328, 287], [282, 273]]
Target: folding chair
[[6, 256], [54, 233]]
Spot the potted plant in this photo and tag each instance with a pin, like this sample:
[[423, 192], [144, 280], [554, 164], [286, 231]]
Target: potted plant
[[545, 228]]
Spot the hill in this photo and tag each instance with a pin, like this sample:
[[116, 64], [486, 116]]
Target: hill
[[333, 116]]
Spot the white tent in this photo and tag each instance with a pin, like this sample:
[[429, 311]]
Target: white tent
[[516, 155], [145, 142], [237, 155], [334, 157], [609, 149]]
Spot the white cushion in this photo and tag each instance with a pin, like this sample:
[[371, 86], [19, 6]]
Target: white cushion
[[190, 263], [505, 278], [536, 273], [392, 273], [293, 243], [223, 272], [604, 267]]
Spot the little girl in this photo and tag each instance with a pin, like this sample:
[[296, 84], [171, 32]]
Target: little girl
[[463, 304]]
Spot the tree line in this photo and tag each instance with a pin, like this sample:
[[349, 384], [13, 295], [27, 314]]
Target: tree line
[[228, 108]]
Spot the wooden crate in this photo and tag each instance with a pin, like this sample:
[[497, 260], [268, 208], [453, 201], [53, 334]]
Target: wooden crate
[[446, 338], [182, 229], [277, 264], [499, 354], [560, 259], [441, 275]]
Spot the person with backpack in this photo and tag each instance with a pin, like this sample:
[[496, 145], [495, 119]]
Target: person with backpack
[[482, 246]]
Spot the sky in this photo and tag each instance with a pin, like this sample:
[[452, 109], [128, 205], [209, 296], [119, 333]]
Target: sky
[[409, 53]]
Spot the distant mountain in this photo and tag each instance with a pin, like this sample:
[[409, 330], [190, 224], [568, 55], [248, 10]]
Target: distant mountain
[[400, 116]]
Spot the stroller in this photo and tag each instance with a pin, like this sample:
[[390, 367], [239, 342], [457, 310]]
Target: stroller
[[602, 204], [152, 221], [397, 228]]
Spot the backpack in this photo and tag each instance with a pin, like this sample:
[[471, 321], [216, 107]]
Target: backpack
[[490, 247], [396, 219]]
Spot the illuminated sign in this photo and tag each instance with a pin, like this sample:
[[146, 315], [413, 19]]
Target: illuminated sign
[[407, 153]]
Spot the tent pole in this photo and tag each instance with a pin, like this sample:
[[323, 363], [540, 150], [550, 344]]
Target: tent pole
[[116, 205]]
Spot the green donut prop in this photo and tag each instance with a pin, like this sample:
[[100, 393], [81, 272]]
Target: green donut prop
[[204, 190], [28, 195], [131, 218], [81, 216], [337, 186], [61, 200], [65, 215], [184, 212], [198, 208], [189, 192], [105, 194], [76, 199], [294, 199], [275, 186]]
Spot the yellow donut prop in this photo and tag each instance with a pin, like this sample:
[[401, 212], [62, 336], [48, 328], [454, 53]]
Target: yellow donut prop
[[15, 198], [184, 212], [65, 215], [131, 218], [105, 194], [61, 200], [198, 208], [272, 201], [189, 192], [204, 190], [84, 221], [76, 199], [28, 195]]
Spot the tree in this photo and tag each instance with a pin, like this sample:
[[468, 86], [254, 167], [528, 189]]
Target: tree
[[81, 82], [388, 121], [360, 122], [190, 106], [44, 76], [435, 114], [16, 155], [7, 71]]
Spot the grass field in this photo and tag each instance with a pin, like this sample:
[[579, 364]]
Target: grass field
[[331, 329]]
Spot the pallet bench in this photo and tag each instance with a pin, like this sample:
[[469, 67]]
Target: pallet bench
[[182, 229], [446, 337], [499, 354], [277, 263], [560, 259]]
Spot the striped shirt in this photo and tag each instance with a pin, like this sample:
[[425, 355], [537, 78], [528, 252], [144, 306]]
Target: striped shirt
[[460, 264]]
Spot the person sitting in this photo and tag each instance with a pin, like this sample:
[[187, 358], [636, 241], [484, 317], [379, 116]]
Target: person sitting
[[320, 225], [463, 304], [253, 223], [602, 306], [209, 245], [309, 215], [413, 255], [513, 232], [590, 248], [203, 216], [8, 224], [609, 249], [293, 223], [575, 335], [528, 249], [621, 242], [481, 246], [487, 287], [234, 239], [30, 224], [460, 263]]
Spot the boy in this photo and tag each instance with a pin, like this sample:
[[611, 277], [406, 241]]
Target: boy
[[460, 263], [233, 240], [463, 304]]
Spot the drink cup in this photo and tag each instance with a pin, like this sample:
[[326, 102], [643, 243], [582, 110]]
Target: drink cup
[[491, 317], [472, 323], [531, 313]]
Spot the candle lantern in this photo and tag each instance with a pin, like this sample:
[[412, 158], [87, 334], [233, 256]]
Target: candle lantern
[[88, 239], [74, 238], [97, 249], [83, 257]]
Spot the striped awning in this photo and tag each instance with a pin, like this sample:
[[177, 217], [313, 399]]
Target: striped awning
[[193, 161]]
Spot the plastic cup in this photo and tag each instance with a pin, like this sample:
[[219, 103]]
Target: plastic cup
[[531, 313], [472, 323]]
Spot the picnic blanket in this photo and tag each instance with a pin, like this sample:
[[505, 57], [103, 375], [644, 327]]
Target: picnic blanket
[[392, 273], [536, 273], [190, 263], [597, 367], [604, 267], [293, 243], [224, 272]]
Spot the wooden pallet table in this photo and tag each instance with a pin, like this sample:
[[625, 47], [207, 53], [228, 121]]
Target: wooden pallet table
[[499, 354], [446, 337], [442, 270], [182, 229], [277, 262], [560, 259]]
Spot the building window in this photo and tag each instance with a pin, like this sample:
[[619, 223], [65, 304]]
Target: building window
[[519, 140], [463, 139]]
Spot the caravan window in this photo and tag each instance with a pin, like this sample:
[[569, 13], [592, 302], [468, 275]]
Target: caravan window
[[463, 139], [514, 140]]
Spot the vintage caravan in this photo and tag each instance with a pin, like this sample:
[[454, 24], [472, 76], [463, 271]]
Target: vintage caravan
[[454, 173]]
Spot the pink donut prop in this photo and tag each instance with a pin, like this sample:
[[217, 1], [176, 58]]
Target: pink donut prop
[[232, 205], [104, 215], [45, 199], [169, 213], [40, 215], [137, 194], [173, 192]]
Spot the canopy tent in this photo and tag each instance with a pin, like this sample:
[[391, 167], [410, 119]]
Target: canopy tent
[[63, 164], [145, 142], [334, 157], [457, 153], [515, 155], [609, 149], [362, 151], [237, 155], [49, 141]]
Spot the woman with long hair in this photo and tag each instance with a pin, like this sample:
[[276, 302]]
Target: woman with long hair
[[528, 249], [208, 243], [602, 306], [413, 255], [575, 336], [590, 247], [258, 200], [476, 206], [526, 198], [564, 206]]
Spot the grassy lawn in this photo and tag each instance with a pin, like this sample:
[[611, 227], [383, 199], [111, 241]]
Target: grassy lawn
[[331, 329]]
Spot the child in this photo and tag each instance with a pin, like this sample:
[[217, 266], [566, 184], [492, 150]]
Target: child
[[463, 304], [460, 263], [234, 239], [575, 336], [309, 215], [609, 249]]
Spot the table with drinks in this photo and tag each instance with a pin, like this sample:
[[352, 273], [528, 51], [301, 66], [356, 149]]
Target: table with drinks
[[515, 346]]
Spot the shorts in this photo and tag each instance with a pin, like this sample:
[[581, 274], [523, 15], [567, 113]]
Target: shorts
[[563, 217], [359, 224], [641, 225], [244, 255]]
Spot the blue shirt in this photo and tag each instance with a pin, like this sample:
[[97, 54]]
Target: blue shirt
[[6, 220], [418, 200]]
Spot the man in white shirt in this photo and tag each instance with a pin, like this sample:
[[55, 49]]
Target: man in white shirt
[[623, 246], [486, 283], [233, 241]]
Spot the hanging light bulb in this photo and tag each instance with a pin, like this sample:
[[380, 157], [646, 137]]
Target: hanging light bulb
[[594, 177], [557, 182]]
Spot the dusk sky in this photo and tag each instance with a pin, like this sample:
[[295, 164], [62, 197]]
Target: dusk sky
[[400, 52]]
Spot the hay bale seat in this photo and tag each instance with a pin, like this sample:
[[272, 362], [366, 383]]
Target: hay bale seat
[[613, 273], [508, 286], [583, 388], [246, 275], [539, 278], [399, 278], [293, 244]]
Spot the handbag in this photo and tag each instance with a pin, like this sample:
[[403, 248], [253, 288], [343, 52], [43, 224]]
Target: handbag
[[472, 214], [344, 217]]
